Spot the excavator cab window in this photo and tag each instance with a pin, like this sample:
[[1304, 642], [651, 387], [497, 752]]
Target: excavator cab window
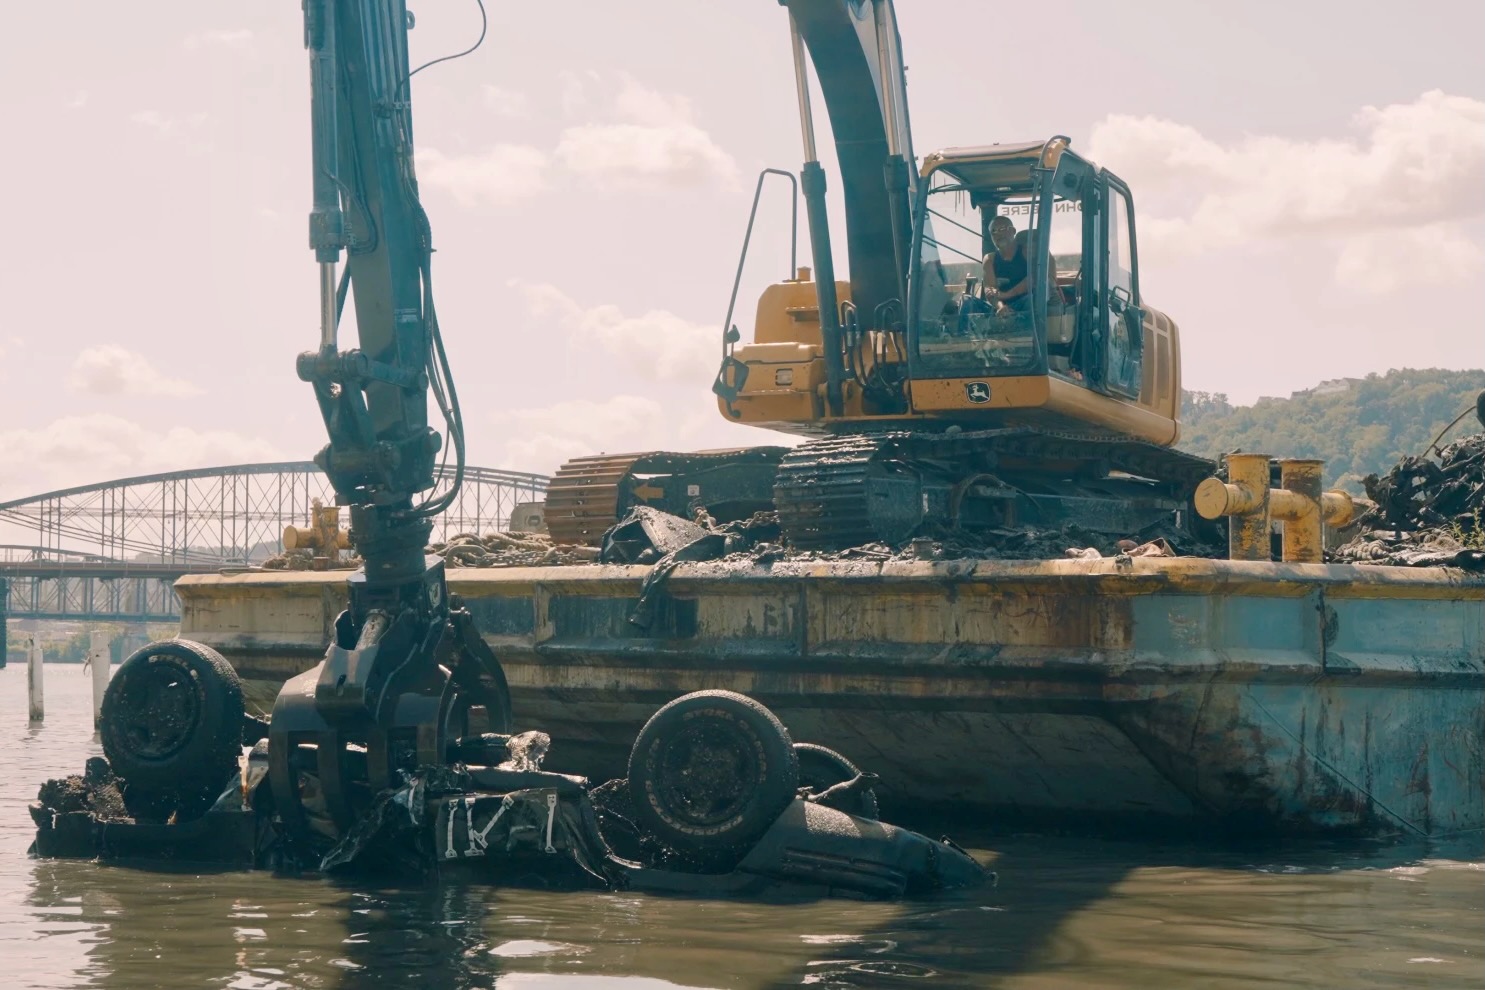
[[958, 331], [1064, 237], [1119, 295], [1081, 319]]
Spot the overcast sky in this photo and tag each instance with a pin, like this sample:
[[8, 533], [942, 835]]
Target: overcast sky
[[1309, 181]]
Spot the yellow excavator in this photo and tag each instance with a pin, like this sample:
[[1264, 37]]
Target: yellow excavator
[[940, 389]]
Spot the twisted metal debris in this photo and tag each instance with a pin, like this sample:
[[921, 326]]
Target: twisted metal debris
[[1428, 512]]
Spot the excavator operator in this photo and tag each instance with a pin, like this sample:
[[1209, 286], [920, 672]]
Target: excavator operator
[[1007, 270]]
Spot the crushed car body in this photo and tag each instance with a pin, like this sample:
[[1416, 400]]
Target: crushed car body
[[719, 801]]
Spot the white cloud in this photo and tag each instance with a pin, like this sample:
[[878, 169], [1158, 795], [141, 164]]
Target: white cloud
[[111, 370], [10, 348], [542, 438], [1409, 165], [651, 107], [155, 120], [657, 142], [78, 101], [77, 450], [181, 130], [1436, 255], [505, 174], [658, 345], [238, 39], [505, 102], [654, 143], [573, 89]]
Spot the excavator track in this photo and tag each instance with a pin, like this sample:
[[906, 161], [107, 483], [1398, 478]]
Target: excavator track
[[822, 491], [848, 490], [590, 494], [583, 497]]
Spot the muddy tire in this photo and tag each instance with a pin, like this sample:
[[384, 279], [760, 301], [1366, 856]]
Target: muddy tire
[[821, 767], [711, 771], [172, 718]]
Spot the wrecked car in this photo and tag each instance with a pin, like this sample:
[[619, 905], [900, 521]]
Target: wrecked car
[[718, 800]]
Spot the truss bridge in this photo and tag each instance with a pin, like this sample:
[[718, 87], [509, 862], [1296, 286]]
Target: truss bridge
[[111, 551]]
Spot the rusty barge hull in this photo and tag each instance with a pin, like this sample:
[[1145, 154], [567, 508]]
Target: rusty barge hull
[[1267, 696]]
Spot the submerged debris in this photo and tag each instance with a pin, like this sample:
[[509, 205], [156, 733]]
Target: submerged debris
[[1428, 512], [95, 791]]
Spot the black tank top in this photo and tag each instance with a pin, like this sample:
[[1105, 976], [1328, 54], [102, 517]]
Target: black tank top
[[1010, 272]]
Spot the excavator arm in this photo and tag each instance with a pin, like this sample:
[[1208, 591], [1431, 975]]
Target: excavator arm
[[373, 398], [406, 673]]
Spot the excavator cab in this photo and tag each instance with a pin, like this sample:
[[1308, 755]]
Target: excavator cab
[[1079, 353], [1081, 322]]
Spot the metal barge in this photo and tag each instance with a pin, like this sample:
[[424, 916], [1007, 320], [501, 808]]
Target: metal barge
[[1267, 696]]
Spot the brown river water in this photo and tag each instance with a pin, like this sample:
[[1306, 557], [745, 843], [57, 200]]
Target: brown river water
[[1067, 912]]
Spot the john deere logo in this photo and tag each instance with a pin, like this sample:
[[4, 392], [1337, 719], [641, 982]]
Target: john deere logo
[[977, 392]]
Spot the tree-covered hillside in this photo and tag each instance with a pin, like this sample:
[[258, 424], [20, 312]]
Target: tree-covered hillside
[[1358, 426]]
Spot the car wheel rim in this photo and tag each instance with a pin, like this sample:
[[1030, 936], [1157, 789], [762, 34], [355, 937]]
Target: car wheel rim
[[161, 710], [708, 774]]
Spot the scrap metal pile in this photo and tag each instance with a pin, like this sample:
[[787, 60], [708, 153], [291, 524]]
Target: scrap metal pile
[[1428, 512], [757, 540]]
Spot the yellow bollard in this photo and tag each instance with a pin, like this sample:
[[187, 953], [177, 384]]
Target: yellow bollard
[[1298, 503], [323, 535], [1245, 498]]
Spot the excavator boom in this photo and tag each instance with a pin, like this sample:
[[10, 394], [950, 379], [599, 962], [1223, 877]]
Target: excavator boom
[[857, 54]]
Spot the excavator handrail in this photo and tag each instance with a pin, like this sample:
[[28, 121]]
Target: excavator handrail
[[748, 237]]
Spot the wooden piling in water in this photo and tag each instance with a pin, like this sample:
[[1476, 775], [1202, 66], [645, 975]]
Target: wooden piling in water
[[99, 659], [33, 681]]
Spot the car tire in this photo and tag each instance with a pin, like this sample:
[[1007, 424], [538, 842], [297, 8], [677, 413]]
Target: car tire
[[711, 771], [172, 719]]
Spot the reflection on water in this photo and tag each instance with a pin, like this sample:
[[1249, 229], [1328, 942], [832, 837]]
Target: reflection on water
[[1067, 912]]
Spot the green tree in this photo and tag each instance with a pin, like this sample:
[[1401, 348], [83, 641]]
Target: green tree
[[1358, 426]]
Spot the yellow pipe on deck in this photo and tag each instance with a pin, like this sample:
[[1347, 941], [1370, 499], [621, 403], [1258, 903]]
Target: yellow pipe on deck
[[1298, 503]]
